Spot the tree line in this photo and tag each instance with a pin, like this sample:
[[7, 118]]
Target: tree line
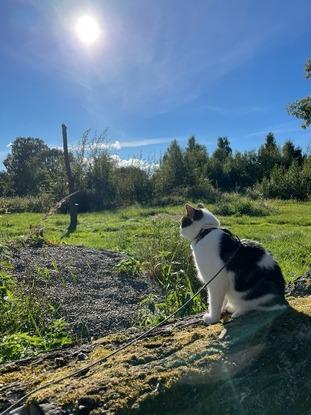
[[34, 169]]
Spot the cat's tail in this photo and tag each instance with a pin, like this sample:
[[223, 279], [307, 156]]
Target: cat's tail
[[274, 307]]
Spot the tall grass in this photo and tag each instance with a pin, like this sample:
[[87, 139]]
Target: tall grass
[[166, 258]]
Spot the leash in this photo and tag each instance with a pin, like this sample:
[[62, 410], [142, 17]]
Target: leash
[[86, 368]]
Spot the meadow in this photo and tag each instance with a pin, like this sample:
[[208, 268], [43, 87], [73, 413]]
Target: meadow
[[150, 237], [284, 227]]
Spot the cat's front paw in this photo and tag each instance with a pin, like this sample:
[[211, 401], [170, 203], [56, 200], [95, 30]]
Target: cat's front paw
[[209, 320]]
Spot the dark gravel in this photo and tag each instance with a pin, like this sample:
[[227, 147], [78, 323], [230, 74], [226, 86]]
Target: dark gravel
[[301, 287], [82, 283]]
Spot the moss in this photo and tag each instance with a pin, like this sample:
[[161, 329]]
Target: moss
[[188, 370]]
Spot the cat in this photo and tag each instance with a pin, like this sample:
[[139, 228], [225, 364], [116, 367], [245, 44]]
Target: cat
[[252, 280]]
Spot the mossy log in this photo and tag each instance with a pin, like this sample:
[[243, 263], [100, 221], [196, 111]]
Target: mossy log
[[256, 364]]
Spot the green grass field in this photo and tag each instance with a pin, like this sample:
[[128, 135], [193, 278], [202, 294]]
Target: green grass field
[[151, 237], [285, 231]]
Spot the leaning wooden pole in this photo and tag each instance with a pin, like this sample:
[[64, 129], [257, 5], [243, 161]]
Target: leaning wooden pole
[[73, 211]]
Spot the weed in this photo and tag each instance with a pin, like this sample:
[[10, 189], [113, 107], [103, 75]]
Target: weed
[[27, 324], [130, 266]]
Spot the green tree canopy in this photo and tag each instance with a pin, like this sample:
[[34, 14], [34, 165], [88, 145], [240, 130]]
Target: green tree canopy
[[32, 166], [223, 150], [172, 173], [301, 108], [196, 159], [269, 155]]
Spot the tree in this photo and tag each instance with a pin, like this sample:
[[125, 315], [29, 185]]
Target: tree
[[133, 185], [223, 150], [26, 165], [269, 156], [196, 159], [170, 176], [291, 153], [301, 108]]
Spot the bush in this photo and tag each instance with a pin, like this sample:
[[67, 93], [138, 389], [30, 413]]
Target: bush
[[235, 204], [292, 183], [204, 190], [41, 203], [173, 200]]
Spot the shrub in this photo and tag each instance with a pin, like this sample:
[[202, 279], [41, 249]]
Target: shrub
[[41, 203], [235, 204], [202, 189], [292, 183]]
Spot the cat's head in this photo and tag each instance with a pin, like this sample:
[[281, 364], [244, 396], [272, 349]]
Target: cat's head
[[196, 219]]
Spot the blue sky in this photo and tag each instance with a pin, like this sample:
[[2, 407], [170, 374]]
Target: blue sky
[[159, 70]]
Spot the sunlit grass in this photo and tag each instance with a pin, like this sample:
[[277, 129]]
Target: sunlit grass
[[151, 237], [286, 231]]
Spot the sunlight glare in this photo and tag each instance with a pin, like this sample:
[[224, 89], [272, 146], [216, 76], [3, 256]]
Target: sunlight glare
[[87, 29]]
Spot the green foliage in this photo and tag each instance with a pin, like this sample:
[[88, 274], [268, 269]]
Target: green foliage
[[301, 109], [269, 156], [16, 204], [133, 185], [233, 204], [183, 174], [130, 265], [166, 258], [27, 324], [223, 150], [290, 153], [20, 345], [32, 167], [170, 178], [291, 183]]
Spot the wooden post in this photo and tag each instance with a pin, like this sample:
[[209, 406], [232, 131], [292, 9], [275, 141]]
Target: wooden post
[[73, 211]]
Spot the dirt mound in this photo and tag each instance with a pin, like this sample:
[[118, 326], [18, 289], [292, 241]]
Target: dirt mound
[[83, 284]]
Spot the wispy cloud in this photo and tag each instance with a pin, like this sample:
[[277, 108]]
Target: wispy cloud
[[232, 111], [274, 130]]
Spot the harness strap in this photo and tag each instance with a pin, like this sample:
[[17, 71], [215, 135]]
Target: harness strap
[[205, 231]]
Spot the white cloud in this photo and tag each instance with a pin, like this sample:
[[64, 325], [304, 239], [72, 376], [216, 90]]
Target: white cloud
[[135, 162], [118, 145]]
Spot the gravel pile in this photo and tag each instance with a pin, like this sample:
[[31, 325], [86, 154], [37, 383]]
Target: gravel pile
[[90, 294], [301, 287]]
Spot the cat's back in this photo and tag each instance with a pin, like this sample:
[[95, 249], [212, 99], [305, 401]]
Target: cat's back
[[255, 270]]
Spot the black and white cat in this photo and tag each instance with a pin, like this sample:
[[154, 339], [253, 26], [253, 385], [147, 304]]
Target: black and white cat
[[252, 280]]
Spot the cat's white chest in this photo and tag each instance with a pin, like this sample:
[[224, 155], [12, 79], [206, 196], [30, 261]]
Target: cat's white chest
[[206, 254]]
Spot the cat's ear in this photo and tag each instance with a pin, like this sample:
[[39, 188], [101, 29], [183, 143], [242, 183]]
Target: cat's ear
[[200, 206], [190, 210]]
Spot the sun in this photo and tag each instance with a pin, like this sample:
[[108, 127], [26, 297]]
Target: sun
[[87, 29]]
